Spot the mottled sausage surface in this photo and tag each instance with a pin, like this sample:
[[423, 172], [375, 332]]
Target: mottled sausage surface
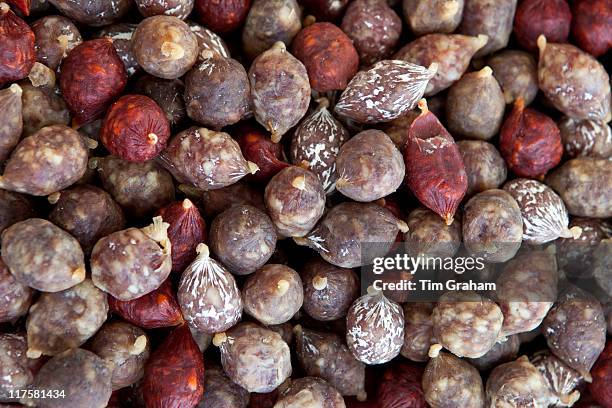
[[15, 370], [310, 392], [243, 238], [208, 295], [88, 213], [517, 74], [64, 320], [374, 28], [386, 91], [544, 215], [562, 380], [475, 105], [575, 329], [602, 266], [582, 92], [375, 328], [220, 391], [270, 21], [42, 256], [217, 91], [11, 114], [176, 8], [484, 165], [126, 347], [208, 40], [15, 297], [295, 201], [433, 16], [140, 188], [492, 226], [369, 166], [586, 138], [502, 352], [273, 294], [328, 290], [491, 18], [93, 13], [42, 107], [214, 202], [517, 384], [418, 330], [452, 53], [280, 90], [205, 159], [449, 381], [326, 355], [84, 377], [575, 256], [339, 236], [317, 141], [526, 290], [131, 263], [584, 184], [50, 160], [164, 46], [466, 323], [428, 234], [56, 36], [253, 357], [204, 340]]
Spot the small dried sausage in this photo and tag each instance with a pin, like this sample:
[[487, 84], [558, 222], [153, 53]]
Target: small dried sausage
[[43, 256], [133, 262], [64, 320]]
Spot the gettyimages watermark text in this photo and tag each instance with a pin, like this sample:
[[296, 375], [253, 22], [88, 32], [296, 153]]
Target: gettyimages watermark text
[[402, 272]]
